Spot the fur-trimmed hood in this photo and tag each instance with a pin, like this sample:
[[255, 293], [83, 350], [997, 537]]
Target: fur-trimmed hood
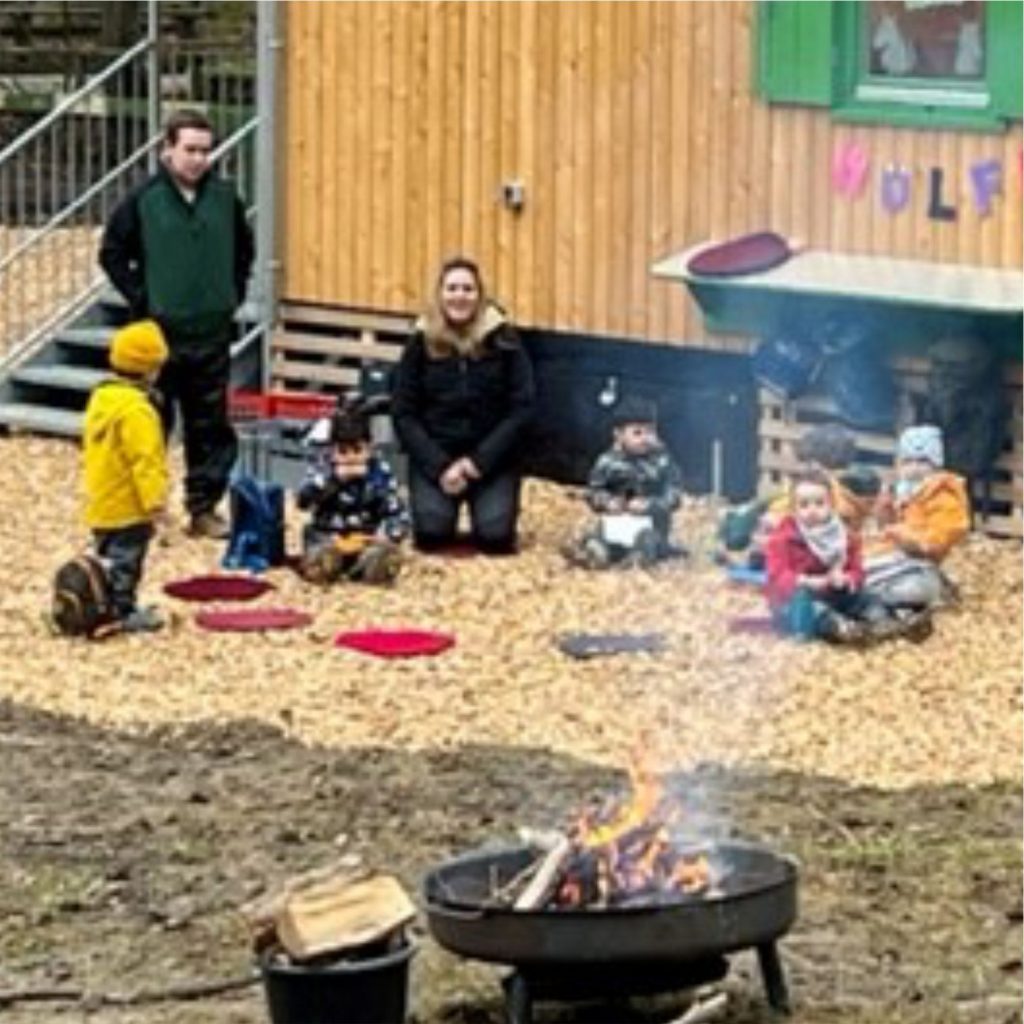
[[442, 340]]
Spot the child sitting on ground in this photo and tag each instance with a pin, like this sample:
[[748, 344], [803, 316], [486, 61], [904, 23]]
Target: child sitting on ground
[[744, 531], [923, 513], [816, 575], [357, 517], [125, 468], [634, 487]]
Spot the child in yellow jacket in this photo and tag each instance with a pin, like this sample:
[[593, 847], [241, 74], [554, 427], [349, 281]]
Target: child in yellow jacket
[[125, 467], [922, 514]]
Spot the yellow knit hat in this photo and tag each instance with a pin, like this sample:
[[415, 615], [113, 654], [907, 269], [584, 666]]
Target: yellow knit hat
[[138, 349]]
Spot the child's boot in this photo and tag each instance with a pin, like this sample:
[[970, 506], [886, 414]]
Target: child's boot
[[142, 620], [379, 563], [647, 548], [837, 629], [588, 552]]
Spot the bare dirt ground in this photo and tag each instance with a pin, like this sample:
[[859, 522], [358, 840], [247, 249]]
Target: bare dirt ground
[[150, 786]]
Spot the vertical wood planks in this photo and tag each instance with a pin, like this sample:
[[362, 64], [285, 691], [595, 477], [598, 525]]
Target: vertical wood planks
[[635, 130]]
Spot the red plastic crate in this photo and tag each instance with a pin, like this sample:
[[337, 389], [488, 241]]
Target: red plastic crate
[[298, 406], [248, 405], [289, 405]]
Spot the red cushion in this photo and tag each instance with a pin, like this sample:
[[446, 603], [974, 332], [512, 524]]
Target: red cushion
[[250, 620], [217, 588], [395, 643], [744, 255]]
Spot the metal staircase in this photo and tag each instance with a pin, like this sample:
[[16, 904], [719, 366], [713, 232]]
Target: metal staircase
[[59, 181]]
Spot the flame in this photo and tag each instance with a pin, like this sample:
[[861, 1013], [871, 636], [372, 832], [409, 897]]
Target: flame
[[626, 851], [646, 789]]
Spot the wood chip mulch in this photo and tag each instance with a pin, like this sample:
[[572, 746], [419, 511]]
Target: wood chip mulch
[[896, 716]]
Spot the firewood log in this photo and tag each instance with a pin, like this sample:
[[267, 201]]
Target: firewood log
[[704, 1010], [537, 892]]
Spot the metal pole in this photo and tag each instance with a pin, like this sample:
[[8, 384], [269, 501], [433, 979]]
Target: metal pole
[[267, 45], [152, 77]]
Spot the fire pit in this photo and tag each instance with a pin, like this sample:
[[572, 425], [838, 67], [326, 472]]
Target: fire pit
[[559, 952]]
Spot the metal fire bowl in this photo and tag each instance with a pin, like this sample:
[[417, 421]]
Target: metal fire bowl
[[757, 904]]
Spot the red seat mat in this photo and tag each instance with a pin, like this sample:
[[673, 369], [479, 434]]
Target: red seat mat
[[747, 254], [395, 643], [250, 620], [217, 588], [754, 625]]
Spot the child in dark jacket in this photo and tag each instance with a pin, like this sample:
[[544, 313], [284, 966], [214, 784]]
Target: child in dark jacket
[[357, 518], [816, 572], [634, 487]]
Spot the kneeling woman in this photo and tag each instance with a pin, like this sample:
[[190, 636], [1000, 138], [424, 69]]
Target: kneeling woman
[[463, 399]]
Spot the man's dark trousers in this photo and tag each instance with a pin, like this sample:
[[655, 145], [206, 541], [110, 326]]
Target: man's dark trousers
[[195, 377]]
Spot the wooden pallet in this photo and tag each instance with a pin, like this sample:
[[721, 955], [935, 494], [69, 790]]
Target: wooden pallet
[[321, 349], [781, 424]]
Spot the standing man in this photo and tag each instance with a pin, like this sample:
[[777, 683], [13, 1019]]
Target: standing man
[[179, 249]]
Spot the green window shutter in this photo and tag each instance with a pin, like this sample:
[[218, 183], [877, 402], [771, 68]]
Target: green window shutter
[[794, 51], [1005, 31]]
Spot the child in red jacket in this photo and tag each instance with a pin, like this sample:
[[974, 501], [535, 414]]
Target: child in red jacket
[[816, 573]]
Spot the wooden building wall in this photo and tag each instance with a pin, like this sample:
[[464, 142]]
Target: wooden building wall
[[634, 129]]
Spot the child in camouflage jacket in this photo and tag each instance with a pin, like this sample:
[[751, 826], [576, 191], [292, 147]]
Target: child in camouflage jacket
[[634, 487]]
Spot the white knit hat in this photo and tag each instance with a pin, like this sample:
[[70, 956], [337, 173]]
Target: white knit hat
[[922, 442]]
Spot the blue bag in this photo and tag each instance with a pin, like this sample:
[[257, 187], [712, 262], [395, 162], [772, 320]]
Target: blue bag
[[257, 525], [786, 363]]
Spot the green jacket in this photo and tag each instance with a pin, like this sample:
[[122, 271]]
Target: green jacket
[[183, 264]]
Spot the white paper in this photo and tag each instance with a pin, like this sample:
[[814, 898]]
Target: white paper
[[624, 528]]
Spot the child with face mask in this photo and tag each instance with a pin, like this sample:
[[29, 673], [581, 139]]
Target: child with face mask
[[922, 514]]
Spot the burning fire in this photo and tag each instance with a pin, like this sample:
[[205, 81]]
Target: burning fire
[[624, 853]]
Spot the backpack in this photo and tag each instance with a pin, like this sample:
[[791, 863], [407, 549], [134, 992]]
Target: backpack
[[81, 599], [786, 363], [256, 541], [860, 383], [965, 401]]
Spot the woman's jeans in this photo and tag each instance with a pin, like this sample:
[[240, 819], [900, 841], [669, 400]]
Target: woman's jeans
[[493, 511]]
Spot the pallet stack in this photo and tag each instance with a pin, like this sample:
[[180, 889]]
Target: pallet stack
[[781, 423], [326, 349]]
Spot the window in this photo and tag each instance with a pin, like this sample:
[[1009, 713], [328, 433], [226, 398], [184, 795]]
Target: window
[[931, 63]]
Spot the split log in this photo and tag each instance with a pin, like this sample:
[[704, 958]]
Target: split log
[[340, 914], [704, 1010], [536, 893]]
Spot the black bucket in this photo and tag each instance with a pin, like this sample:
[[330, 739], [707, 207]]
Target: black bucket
[[370, 990]]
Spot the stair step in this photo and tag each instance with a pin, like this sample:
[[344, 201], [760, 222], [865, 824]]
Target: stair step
[[85, 337], [70, 378], [41, 419]]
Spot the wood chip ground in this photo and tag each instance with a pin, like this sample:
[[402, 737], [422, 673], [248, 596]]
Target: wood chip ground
[[901, 715]]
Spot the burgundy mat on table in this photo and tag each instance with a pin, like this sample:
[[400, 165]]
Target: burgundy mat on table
[[747, 254], [217, 588], [251, 620], [395, 643]]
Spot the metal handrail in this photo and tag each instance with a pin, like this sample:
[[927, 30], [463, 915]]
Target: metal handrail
[[75, 205], [235, 137], [74, 99], [33, 307]]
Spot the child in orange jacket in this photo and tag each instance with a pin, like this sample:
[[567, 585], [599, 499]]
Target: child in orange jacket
[[923, 513]]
